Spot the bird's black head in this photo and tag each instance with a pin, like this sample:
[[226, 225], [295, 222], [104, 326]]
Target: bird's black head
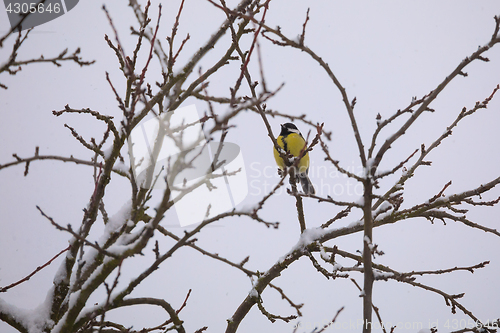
[[288, 128]]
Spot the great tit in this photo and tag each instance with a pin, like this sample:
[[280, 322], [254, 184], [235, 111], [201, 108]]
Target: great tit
[[293, 142]]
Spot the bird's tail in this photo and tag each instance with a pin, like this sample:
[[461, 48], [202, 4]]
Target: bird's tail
[[306, 184]]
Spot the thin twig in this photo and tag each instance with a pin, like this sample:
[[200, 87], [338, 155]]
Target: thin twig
[[39, 268]]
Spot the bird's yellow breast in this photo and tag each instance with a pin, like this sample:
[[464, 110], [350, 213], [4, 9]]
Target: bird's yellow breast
[[292, 143]]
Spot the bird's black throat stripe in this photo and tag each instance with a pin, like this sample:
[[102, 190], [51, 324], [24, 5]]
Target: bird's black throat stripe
[[285, 146]]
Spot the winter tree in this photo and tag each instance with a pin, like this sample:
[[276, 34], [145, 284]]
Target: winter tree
[[139, 192]]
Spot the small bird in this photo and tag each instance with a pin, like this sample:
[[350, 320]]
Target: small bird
[[293, 142]]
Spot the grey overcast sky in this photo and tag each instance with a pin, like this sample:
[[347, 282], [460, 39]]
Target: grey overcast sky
[[383, 52]]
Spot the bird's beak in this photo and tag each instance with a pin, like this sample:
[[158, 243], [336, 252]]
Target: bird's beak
[[281, 125]]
